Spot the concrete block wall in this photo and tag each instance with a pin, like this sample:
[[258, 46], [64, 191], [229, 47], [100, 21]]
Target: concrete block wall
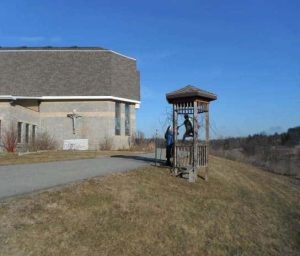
[[11, 114], [97, 121], [122, 141]]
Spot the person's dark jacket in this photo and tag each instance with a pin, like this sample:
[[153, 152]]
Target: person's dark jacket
[[169, 137]]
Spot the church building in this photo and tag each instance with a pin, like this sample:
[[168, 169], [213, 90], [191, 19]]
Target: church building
[[81, 96]]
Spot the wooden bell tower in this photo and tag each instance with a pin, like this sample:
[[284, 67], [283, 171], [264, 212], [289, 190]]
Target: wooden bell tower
[[192, 154]]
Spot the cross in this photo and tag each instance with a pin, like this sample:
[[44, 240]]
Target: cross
[[74, 116]]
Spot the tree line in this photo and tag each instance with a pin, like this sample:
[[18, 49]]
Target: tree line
[[279, 152]]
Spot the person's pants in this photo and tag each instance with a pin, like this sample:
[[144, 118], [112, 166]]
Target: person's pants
[[169, 153], [187, 135]]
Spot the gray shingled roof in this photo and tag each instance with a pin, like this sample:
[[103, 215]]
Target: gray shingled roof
[[190, 91], [67, 71], [53, 48]]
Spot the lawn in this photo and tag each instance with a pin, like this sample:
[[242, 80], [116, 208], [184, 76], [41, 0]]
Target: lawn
[[58, 155], [241, 210]]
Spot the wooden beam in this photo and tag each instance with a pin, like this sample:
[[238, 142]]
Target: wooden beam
[[207, 139], [174, 139], [195, 143]]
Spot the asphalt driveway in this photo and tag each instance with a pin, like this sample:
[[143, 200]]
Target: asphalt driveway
[[26, 178]]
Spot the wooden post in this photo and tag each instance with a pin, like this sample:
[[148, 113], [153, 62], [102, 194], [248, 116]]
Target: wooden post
[[156, 135], [195, 143], [207, 139], [175, 138]]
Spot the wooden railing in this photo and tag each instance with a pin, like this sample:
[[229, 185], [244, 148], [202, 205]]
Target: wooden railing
[[202, 155], [184, 155]]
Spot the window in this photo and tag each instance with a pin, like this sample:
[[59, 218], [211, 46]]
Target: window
[[27, 133], [33, 133], [127, 119], [118, 119], [19, 132]]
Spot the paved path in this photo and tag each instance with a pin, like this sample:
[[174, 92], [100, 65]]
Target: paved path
[[26, 178]]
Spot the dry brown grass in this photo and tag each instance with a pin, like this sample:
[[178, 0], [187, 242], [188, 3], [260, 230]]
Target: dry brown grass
[[144, 147], [240, 211], [51, 156]]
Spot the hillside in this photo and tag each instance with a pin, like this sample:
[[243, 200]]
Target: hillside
[[278, 153], [240, 211]]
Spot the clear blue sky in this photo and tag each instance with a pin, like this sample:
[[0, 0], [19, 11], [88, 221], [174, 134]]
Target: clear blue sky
[[247, 52]]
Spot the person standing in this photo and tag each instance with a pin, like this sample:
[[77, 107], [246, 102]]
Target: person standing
[[169, 144]]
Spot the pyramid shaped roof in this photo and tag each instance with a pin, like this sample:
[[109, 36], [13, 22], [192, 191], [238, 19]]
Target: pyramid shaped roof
[[190, 92]]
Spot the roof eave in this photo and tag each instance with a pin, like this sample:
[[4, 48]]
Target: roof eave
[[190, 96], [49, 98]]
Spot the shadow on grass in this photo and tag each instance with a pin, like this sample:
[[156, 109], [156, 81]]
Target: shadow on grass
[[146, 159], [158, 163]]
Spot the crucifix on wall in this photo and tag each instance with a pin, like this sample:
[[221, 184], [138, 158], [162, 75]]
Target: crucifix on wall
[[74, 116]]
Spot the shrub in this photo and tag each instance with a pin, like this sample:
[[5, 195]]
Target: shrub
[[10, 138], [106, 143], [43, 142], [140, 143]]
